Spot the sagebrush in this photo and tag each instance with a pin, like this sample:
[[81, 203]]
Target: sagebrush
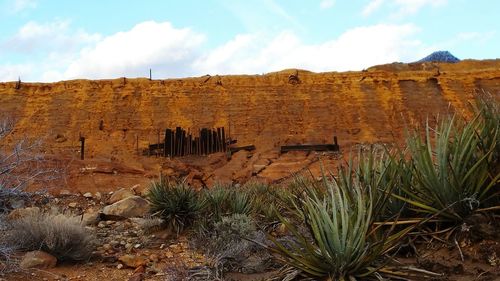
[[61, 236]]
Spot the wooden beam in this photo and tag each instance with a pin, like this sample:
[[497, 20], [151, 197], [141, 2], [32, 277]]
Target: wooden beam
[[310, 147], [247, 148]]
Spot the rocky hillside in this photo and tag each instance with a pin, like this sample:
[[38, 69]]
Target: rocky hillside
[[120, 117], [440, 56]]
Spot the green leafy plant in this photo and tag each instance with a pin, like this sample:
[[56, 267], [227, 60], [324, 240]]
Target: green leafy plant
[[488, 129], [240, 202], [451, 175], [177, 203], [216, 199], [383, 172], [268, 200], [342, 242]]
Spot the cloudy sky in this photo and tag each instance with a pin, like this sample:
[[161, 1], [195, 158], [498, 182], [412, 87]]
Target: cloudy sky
[[52, 40]]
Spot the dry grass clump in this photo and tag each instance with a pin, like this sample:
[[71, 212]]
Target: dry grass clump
[[6, 251], [61, 236], [150, 224]]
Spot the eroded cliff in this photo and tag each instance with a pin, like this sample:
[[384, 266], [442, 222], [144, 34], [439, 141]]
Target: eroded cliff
[[121, 116]]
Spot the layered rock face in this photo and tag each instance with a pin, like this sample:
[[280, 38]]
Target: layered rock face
[[120, 117]]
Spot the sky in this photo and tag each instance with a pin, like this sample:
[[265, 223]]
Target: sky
[[53, 40]]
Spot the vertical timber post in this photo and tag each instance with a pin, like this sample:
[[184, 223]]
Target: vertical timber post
[[158, 143], [165, 144], [82, 148], [150, 75], [18, 83]]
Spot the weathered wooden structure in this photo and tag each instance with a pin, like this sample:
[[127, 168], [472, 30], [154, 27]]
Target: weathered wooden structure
[[312, 147], [180, 142]]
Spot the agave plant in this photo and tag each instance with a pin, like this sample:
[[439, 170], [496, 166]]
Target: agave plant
[[176, 202], [451, 174], [342, 241]]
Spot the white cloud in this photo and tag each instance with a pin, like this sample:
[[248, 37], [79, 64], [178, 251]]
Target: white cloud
[[469, 39], [355, 49], [372, 7], [180, 52], [50, 36], [160, 46], [401, 8], [326, 4], [481, 37], [11, 72], [260, 15], [20, 5], [409, 7]]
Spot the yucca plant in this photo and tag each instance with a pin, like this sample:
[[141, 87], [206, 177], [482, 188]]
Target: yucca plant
[[177, 203], [488, 130], [240, 202], [384, 172], [266, 200], [451, 174], [216, 200], [342, 242]]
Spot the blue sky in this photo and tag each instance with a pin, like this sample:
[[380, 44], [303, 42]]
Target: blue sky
[[49, 40]]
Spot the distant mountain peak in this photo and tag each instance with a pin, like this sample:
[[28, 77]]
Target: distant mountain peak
[[440, 56]]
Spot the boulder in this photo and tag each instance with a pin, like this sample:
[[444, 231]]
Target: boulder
[[134, 206], [132, 261], [120, 194], [38, 259], [17, 214], [90, 217]]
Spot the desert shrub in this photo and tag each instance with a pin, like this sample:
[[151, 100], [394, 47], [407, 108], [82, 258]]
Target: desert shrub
[[6, 250], [233, 228], [227, 200], [177, 203], [259, 200], [451, 173], [61, 236], [240, 202], [269, 200], [216, 199], [229, 241], [342, 240], [150, 223], [488, 130], [383, 172]]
